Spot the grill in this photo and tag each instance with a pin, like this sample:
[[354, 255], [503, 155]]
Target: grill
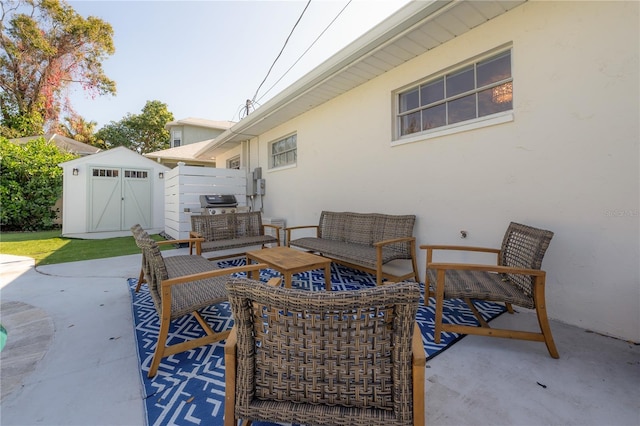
[[218, 204]]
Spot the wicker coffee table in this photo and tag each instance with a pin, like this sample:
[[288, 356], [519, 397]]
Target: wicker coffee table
[[290, 261]]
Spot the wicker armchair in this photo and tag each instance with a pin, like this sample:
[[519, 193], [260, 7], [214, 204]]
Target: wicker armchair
[[139, 235], [352, 358], [182, 286], [515, 279]]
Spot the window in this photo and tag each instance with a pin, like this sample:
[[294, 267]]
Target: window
[[135, 174], [176, 138], [472, 91], [234, 163], [105, 172], [284, 152]]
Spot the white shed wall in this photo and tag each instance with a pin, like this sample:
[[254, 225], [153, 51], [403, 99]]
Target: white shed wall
[[75, 217], [568, 162]]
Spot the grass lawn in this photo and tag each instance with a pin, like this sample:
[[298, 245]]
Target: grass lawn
[[48, 247]]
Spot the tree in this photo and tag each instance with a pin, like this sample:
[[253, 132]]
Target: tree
[[142, 133], [47, 47], [30, 184], [79, 129]]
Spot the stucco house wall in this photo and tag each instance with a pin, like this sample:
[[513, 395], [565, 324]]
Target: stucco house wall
[[568, 161], [221, 159]]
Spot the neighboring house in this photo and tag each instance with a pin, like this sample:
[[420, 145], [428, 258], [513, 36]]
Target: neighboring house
[[185, 154], [184, 134], [470, 116], [62, 142], [191, 130], [112, 191]]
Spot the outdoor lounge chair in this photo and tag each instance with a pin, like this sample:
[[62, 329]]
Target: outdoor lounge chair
[[183, 287], [140, 234], [515, 279], [352, 358]]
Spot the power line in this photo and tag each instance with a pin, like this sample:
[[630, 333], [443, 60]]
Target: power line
[[279, 54], [305, 52]]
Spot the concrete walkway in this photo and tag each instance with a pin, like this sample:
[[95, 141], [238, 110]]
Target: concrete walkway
[[89, 375]]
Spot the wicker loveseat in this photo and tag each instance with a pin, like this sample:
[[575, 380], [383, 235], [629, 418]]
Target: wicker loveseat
[[230, 231], [365, 241]]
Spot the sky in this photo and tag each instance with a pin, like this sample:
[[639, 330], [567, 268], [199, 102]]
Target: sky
[[204, 59]]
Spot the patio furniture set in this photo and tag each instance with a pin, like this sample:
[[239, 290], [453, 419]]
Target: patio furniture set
[[344, 357]]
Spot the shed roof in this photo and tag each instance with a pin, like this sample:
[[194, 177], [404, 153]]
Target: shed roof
[[116, 156]]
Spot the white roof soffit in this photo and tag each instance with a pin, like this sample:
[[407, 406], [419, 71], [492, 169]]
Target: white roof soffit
[[413, 30]]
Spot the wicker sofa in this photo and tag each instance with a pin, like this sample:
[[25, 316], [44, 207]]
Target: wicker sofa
[[364, 241], [230, 231]]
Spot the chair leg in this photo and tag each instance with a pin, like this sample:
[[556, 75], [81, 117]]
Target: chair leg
[[160, 346], [476, 313], [140, 280], [439, 305], [230, 353], [414, 263], [509, 307], [418, 362], [427, 290], [543, 320]]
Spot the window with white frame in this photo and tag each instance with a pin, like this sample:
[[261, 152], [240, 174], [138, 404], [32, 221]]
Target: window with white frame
[[176, 138], [234, 163], [472, 91], [283, 152]]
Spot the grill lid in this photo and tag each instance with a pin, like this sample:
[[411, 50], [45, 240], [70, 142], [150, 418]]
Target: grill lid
[[218, 200]]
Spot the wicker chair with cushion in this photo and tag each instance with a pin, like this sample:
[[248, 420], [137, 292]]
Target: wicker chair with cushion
[[516, 279], [351, 358], [182, 287], [140, 234]]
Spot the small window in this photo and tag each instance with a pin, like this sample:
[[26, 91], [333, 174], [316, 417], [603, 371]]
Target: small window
[[469, 92], [135, 174], [284, 152], [176, 138], [105, 172], [234, 163]]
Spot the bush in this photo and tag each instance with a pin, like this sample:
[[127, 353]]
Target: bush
[[30, 184]]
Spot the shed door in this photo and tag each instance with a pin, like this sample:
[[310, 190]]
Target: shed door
[[119, 199]]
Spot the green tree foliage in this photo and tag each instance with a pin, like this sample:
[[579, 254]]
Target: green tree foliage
[[45, 48], [30, 184], [77, 128], [142, 133]]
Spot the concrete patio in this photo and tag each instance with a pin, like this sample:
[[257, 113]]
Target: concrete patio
[[75, 321]]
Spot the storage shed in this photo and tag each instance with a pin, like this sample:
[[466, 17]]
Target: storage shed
[[110, 191]]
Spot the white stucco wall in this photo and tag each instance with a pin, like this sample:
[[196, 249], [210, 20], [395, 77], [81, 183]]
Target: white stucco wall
[[568, 162], [221, 160], [75, 219]]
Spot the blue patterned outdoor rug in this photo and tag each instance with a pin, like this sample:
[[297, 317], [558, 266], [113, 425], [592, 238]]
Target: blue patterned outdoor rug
[[189, 387]]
